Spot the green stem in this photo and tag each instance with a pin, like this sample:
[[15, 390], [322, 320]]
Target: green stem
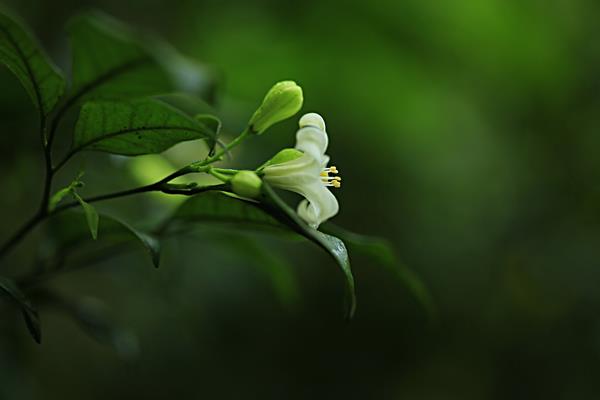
[[219, 154], [160, 186]]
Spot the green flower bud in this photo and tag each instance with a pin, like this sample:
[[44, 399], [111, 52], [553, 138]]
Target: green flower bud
[[281, 102], [246, 184]]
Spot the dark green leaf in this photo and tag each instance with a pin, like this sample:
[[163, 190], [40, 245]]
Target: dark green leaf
[[271, 264], [68, 232], [110, 61], [221, 207], [275, 206], [200, 110], [21, 54], [213, 124], [30, 315], [134, 127], [271, 213], [381, 250]]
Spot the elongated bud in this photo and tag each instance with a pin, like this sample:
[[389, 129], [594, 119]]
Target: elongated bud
[[246, 184], [281, 102]]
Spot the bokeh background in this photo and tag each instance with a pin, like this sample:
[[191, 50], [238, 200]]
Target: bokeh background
[[467, 133]]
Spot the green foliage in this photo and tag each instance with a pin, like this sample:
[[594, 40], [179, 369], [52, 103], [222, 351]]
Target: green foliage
[[20, 53], [381, 250], [271, 213], [124, 82], [62, 193], [109, 60], [214, 125], [68, 233], [273, 265], [274, 205], [91, 215], [134, 127], [30, 314], [223, 207], [59, 196]]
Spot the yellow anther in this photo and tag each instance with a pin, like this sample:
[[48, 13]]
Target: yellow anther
[[333, 169], [336, 184], [323, 173], [337, 178]]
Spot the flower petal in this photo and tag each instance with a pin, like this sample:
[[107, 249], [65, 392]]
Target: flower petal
[[291, 175], [312, 141], [319, 206], [312, 119]]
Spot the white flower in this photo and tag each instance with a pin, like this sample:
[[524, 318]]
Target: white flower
[[307, 173]]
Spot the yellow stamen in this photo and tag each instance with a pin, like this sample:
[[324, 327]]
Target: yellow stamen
[[332, 181]]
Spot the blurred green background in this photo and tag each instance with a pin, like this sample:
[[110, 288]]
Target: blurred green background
[[467, 133]]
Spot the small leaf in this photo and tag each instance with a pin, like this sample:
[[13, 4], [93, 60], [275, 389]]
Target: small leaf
[[30, 315], [112, 61], [58, 196], [134, 127], [67, 232], [62, 193], [22, 55], [92, 218], [381, 250], [91, 215]]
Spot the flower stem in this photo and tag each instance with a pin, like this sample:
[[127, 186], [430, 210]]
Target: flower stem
[[159, 186], [218, 155]]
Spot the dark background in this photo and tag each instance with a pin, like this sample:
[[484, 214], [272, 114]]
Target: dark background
[[467, 133]]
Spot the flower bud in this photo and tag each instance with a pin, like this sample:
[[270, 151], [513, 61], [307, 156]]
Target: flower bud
[[281, 102], [246, 184]]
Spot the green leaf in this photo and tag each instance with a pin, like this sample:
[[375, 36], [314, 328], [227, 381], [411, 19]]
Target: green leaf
[[112, 61], [58, 196], [91, 215], [62, 193], [272, 214], [200, 110], [133, 127], [214, 125], [222, 207], [275, 206], [30, 315], [67, 232], [275, 267], [381, 250], [20, 53]]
